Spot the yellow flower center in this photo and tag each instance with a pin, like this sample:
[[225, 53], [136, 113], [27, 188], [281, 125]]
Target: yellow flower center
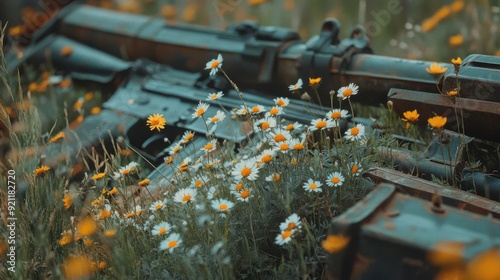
[[335, 180], [245, 194], [176, 150], [130, 215], [336, 115], [209, 146], [284, 146], [291, 226], [223, 207], [280, 102], [214, 119], [245, 172], [354, 131], [347, 92], [159, 206], [298, 147], [265, 125], [273, 111], [285, 234], [200, 112], [321, 124], [198, 183], [214, 64], [189, 137], [267, 158], [313, 186], [186, 198], [279, 137], [289, 127], [354, 169], [255, 109], [239, 186], [172, 244], [162, 231]]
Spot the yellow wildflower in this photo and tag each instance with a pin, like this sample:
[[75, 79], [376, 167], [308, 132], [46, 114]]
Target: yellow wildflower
[[437, 122], [41, 170], [435, 69], [335, 243], [156, 121]]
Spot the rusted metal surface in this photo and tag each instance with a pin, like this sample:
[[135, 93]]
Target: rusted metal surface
[[392, 234], [479, 78], [480, 117], [424, 189]]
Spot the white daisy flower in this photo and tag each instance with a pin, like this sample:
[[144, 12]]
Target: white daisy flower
[[337, 114], [222, 205], [242, 111], [280, 136], [243, 195], [275, 111], [284, 237], [335, 179], [214, 65], [348, 91], [184, 165], [281, 101], [157, 205], [174, 148], [321, 124], [172, 242], [215, 95], [266, 156], [200, 110], [210, 146], [312, 186], [283, 146], [355, 133], [219, 117], [292, 126], [275, 177], [185, 195], [296, 86], [355, 169], [246, 169], [265, 123], [161, 228], [199, 182], [297, 144], [291, 223], [188, 136], [257, 109], [238, 186]]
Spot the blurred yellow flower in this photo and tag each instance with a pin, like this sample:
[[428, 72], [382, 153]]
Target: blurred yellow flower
[[314, 82], [452, 92], [67, 201], [456, 40], [485, 266], [86, 227], [77, 267], [41, 170], [446, 253], [435, 69], [335, 243]]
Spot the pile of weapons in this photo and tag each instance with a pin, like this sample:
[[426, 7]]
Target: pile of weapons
[[382, 228]]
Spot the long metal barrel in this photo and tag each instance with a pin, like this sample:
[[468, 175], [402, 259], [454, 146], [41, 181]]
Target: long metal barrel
[[262, 58]]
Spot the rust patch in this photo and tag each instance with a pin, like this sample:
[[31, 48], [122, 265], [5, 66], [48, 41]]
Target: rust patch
[[390, 225]]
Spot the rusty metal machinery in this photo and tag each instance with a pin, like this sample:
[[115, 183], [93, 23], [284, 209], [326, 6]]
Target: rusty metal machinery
[[392, 235]]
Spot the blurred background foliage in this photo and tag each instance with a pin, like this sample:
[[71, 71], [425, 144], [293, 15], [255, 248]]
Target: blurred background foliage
[[416, 29]]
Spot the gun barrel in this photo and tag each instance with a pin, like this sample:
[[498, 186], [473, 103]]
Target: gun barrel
[[263, 58]]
